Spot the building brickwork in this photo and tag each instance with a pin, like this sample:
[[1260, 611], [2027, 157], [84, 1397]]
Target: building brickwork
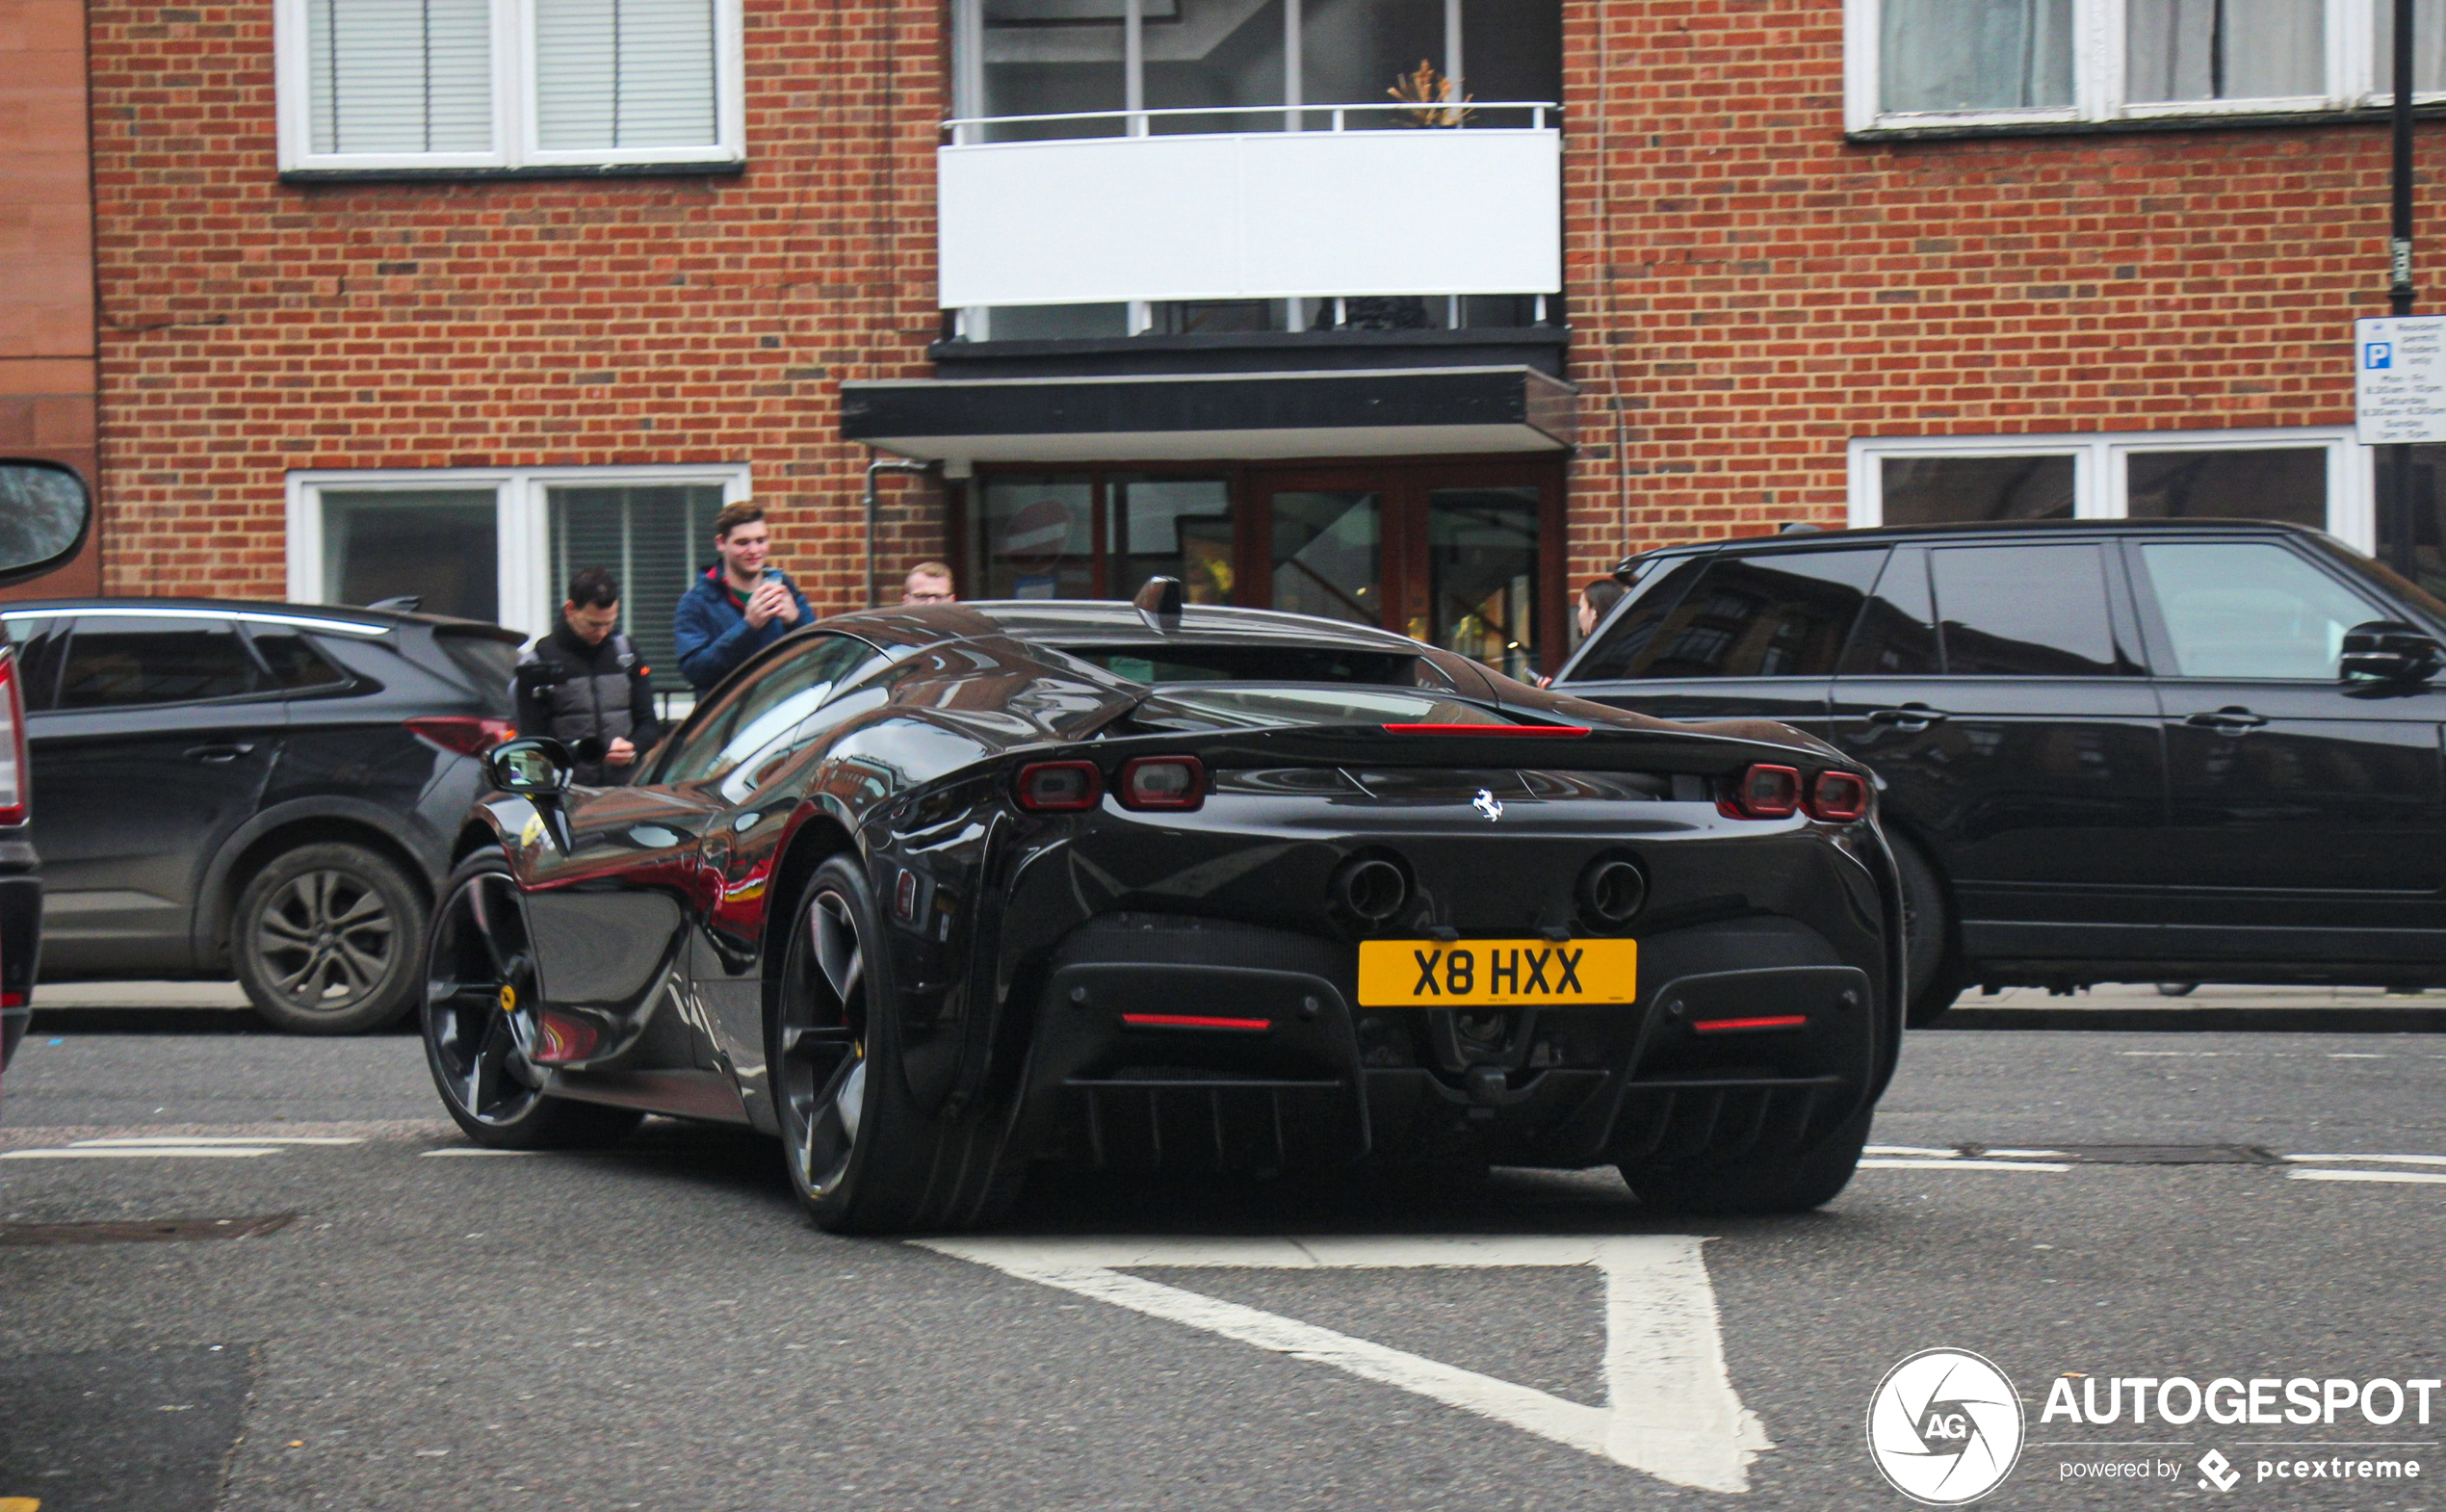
[[251, 327], [1749, 290], [46, 310], [1753, 290]]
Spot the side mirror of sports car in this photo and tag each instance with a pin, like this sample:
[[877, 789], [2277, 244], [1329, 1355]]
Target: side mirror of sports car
[[532, 768]]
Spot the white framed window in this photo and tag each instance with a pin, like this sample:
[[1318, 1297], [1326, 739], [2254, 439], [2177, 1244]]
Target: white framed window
[[1917, 64], [2316, 476], [500, 545], [377, 85]]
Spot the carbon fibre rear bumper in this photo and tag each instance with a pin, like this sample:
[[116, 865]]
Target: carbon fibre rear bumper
[[1172, 1042]]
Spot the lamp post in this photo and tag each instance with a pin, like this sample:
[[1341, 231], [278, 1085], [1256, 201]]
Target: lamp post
[[2395, 535]]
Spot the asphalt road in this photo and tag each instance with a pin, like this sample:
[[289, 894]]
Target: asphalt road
[[655, 1327]]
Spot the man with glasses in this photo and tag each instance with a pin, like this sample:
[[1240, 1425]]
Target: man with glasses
[[928, 583]]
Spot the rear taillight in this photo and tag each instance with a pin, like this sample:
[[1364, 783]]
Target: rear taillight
[[1162, 782], [1837, 797], [14, 800], [466, 734], [1059, 787], [1765, 791]]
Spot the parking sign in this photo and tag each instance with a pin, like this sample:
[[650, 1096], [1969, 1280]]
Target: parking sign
[[2399, 381]]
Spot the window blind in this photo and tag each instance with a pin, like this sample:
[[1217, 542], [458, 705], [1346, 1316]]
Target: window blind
[[624, 73], [400, 75], [655, 540]]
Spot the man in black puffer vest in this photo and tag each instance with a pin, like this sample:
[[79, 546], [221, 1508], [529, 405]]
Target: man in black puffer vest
[[586, 678]]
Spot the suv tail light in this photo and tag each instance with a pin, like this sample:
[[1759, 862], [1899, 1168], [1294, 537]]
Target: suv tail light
[[1838, 797], [1765, 791], [466, 734], [1059, 787], [1163, 782], [14, 800]]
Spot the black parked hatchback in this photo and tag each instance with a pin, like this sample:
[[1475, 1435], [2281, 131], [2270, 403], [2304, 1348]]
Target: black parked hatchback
[[262, 790], [2112, 750]]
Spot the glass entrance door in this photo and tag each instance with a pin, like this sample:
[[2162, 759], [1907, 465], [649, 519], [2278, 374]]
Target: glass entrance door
[[1326, 551], [1463, 555], [1482, 558], [1449, 554]]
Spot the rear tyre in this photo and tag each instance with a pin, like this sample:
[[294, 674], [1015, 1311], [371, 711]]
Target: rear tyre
[[325, 940], [861, 1155], [1755, 1187], [478, 1022], [1932, 976]]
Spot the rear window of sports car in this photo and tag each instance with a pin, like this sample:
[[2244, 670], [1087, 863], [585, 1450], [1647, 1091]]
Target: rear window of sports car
[[1262, 663], [1249, 706]]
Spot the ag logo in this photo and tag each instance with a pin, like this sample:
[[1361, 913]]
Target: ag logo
[[1945, 1427]]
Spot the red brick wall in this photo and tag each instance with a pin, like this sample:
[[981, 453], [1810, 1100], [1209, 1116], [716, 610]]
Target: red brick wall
[[47, 253], [251, 327], [1756, 292], [1747, 288]]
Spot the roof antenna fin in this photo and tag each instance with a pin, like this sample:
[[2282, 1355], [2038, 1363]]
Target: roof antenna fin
[[1159, 601]]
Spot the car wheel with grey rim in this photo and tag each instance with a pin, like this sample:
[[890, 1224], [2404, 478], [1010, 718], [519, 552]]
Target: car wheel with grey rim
[[325, 940]]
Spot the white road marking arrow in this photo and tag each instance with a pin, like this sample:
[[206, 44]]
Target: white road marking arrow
[[1669, 1407]]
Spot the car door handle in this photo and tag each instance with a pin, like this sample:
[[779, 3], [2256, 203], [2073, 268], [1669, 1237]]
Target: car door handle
[[2233, 721], [1910, 716], [216, 754]]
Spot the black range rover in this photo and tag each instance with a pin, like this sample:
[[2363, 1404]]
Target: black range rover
[[2113, 751]]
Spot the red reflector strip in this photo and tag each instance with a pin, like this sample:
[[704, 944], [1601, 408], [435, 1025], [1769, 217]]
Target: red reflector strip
[[1552, 731], [1192, 1021], [11, 1000], [1716, 1026]]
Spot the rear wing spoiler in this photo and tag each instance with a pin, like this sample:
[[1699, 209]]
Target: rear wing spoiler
[[1711, 750]]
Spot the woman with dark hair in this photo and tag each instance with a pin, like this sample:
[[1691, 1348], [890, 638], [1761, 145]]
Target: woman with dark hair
[[1595, 602]]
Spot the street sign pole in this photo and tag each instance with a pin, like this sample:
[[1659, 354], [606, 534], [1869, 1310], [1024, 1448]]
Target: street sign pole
[[2396, 538]]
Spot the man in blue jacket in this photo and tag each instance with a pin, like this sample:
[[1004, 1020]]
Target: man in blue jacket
[[738, 606]]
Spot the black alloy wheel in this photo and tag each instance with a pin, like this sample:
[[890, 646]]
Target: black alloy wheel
[[819, 1058], [861, 1152], [478, 1022], [324, 940]]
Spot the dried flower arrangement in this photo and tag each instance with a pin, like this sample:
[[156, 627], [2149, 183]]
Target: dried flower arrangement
[[1429, 94]]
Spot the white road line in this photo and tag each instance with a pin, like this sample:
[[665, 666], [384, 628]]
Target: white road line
[[1929, 1151], [2385, 1160], [1671, 1410], [470, 1149], [1875, 1164], [2308, 1174], [2024, 1155], [147, 1152], [186, 1141]]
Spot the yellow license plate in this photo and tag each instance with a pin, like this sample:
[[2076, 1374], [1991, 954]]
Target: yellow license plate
[[1486, 973]]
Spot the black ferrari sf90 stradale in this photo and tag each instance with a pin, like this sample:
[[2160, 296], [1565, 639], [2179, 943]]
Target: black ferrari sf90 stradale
[[934, 893]]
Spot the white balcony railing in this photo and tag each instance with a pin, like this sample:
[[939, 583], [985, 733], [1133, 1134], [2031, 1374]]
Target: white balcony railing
[[1251, 215]]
